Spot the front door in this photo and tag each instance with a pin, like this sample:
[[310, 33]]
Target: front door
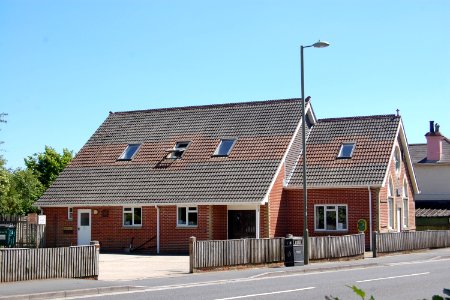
[[241, 224], [84, 227], [399, 219]]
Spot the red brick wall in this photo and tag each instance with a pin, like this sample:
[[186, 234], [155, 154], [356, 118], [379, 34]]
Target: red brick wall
[[219, 222], [277, 209], [357, 201], [176, 239], [397, 181], [106, 228]]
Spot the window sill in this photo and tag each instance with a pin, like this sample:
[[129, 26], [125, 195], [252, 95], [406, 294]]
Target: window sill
[[131, 226], [336, 230], [186, 226]]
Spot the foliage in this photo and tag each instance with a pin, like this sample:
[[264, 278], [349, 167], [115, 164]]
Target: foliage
[[47, 165], [362, 294], [18, 191], [2, 120]]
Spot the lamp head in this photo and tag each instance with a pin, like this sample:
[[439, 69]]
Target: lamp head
[[321, 44]]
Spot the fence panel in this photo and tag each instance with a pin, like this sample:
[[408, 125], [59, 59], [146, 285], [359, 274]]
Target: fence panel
[[65, 262], [211, 254], [326, 247], [414, 240]]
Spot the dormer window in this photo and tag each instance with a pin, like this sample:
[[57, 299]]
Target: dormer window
[[129, 152], [178, 150], [346, 150], [225, 147]]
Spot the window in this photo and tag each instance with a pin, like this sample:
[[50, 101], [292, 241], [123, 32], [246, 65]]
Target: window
[[346, 150], [397, 161], [178, 150], [390, 204], [132, 216], [70, 213], [405, 204], [331, 217], [187, 216], [129, 152], [224, 147]]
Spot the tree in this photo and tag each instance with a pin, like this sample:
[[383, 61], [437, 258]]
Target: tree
[[47, 165], [2, 120]]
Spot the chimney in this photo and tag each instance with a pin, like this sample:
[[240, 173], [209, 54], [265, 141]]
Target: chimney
[[434, 143]]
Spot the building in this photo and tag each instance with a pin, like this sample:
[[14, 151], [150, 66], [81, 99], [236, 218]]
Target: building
[[432, 165], [151, 179]]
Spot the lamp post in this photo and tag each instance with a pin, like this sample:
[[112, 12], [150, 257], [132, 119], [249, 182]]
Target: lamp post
[[319, 44]]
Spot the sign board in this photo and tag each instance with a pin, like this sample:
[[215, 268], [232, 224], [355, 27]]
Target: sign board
[[42, 219], [362, 225]]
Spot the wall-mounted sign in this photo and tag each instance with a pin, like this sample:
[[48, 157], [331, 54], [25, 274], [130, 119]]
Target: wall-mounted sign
[[362, 225], [42, 219]]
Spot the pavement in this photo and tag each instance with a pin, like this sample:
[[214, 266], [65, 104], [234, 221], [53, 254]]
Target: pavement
[[125, 272]]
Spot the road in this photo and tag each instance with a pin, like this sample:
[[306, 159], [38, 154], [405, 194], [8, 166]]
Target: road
[[388, 278]]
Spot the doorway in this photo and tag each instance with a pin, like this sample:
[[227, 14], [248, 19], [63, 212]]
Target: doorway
[[241, 224], [84, 227]]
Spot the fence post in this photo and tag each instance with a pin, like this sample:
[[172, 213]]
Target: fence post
[[192, 254], [374, 244], [97, 258]]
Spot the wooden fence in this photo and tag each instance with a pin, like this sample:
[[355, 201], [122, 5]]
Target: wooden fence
[[407, 241], [28, 234], [329, 247], [217, 254], [44, 263]]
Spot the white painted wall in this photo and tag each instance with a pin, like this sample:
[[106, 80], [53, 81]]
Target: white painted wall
[[434, 181]]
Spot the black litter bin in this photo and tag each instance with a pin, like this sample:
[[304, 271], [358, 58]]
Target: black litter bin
[[7, 236], [294, 253]]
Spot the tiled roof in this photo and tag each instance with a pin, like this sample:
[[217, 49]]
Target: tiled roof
[[263, 131], [419, 153], [374, 137], [430, 212]]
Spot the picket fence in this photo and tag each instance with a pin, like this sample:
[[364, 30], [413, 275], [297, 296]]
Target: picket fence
[[330, 247], [407, 241], [44, 263], [226, 253]]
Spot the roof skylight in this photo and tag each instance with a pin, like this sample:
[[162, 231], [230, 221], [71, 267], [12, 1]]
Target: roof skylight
[[129, 152], [346, 150], [178, 150], [224, 147]]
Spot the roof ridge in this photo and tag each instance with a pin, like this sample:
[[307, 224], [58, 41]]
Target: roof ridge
[[417, 144], [358, 118], [231, 104]]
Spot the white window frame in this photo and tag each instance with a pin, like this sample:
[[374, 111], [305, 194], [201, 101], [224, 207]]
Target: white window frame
[[128, 210], [405, 204], [326, 209], [340, 154], [190, 209], [216, 153], [70, 213], [176, 148], [390, 202]]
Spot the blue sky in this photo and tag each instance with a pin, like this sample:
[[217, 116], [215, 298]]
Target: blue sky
[[65, 64]]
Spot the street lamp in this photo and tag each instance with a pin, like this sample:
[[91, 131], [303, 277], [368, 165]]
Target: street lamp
[[319, 44]]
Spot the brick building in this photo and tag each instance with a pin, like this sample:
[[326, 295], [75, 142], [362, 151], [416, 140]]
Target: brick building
[[148, 180]]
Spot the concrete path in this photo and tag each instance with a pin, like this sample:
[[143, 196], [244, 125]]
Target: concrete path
[[120, 267]]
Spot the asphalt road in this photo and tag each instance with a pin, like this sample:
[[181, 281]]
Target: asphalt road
[[400, 277]]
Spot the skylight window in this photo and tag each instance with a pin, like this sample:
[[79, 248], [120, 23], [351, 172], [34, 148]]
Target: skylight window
[[346, 150], [224, 147], [178, 150], [129, 152]]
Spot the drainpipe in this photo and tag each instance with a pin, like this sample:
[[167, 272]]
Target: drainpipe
[[257, 220], [157, 229], [370, 217]]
